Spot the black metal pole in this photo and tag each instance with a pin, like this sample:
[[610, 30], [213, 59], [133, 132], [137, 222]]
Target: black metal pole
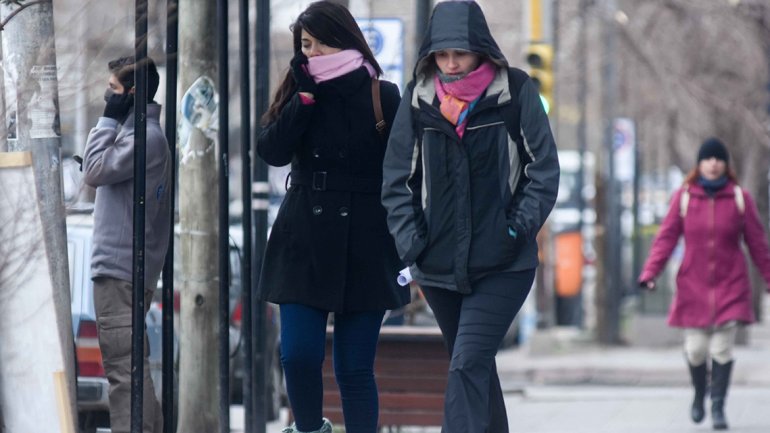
[[248, 346], [224, 217], [260, 206], [172, 33], [422, 16], [140, 163]]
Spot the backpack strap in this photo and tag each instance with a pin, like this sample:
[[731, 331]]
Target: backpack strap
[[512, 111], [377, 102], [684, 201], [739, 201]]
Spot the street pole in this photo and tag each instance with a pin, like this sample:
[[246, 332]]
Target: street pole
[[261, 202], [140, 167], [246, 290], [609, 332], [224, 216], [422, 16], [198, 234], [172, 36], [37, 310]]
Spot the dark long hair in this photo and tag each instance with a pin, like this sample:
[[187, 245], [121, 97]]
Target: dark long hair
[[332, 24]]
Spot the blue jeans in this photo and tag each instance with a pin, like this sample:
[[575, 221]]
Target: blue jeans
[[303, 338]]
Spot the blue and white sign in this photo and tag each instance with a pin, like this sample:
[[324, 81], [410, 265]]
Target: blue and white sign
[[624, 148], [386, 39]]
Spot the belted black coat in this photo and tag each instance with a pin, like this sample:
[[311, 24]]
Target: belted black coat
[[329, 247]]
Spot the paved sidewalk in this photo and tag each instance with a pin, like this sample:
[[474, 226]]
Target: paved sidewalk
[[595, 389], [591, 364]]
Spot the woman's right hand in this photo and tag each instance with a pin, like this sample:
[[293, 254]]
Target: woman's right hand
[[305, 83], [647, 285]]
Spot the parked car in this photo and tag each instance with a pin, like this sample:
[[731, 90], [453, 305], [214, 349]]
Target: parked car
[[92, 385]]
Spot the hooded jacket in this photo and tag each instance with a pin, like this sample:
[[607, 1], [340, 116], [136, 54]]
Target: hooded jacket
[[712, 284], [451, 201]]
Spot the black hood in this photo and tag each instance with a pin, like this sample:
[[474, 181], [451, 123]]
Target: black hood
[[458, 25]]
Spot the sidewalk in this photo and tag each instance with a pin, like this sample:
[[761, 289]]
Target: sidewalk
[[590, 364]]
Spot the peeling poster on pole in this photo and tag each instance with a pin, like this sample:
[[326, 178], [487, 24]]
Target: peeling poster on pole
[[43, 110]]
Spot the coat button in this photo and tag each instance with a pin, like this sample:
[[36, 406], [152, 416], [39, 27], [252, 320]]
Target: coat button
[[317, 210], [344, 211], [316, 153]]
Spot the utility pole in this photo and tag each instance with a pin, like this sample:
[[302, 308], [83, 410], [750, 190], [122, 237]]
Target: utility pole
[[609, 288], [422, 17], [198, 235], [35, 316]]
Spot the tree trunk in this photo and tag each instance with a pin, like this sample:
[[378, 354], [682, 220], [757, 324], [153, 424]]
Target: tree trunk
[[198, 237]]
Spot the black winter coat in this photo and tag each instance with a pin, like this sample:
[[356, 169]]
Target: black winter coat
[[330, 247]]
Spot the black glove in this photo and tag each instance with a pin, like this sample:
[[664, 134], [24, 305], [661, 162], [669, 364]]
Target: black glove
[[118, 105], [305, 82]]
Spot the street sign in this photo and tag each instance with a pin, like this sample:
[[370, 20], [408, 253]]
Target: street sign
[[624, 148], [385, 37]]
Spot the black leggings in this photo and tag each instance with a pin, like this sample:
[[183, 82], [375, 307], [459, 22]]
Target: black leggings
[[473, 327]]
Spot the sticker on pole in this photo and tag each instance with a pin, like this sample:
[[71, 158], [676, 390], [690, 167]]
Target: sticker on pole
[[200, 107]]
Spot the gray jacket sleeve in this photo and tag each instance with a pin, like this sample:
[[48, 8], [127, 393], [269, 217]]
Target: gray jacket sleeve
[[107, 159], [401, 172], [535, 200]]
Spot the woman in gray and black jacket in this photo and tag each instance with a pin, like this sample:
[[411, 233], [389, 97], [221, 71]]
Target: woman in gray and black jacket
[[470, 175]]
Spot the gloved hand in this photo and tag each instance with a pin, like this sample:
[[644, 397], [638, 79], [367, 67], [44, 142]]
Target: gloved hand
[[519, 236], [118, 105], [305, 82], [647, 285]]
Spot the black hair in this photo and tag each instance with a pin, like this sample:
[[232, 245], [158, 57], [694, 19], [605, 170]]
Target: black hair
[[123, 69], [332, 24]]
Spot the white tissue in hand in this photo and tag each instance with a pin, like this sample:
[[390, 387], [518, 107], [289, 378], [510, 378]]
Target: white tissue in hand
[[404, 277]]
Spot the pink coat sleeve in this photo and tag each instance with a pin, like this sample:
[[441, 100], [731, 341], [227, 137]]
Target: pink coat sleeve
[[755, 238], [665, 241]]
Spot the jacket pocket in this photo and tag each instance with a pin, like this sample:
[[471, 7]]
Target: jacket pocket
[[491, 246]]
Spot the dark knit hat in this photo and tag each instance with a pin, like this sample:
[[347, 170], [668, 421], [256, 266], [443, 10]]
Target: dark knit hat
[[713, 148]]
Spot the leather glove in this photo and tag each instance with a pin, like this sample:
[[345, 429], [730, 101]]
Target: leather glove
[[305, 82], [118, 105]]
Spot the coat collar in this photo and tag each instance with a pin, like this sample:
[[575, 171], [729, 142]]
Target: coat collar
[[346, 84], [695, 189], [153, 115]]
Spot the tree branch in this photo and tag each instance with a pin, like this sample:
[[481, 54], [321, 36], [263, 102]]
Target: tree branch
[[21, 8]]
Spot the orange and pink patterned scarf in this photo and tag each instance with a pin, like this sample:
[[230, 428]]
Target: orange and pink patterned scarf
[[457, 98]]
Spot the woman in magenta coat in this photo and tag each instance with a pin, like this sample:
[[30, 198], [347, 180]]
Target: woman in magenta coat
[[713, 292]]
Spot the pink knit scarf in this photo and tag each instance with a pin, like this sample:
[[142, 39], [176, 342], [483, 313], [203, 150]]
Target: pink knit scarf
[[456, 97], [323, 68]]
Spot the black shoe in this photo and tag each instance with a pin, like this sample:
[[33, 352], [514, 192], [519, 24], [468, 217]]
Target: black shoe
[[720, 382], [698, 376]]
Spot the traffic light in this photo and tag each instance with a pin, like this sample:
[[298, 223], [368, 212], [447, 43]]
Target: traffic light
[[540, 59]]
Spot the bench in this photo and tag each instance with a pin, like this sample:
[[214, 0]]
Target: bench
[[411, 372]]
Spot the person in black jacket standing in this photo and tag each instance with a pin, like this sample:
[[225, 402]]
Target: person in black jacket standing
[[329, 249], [470, 174]]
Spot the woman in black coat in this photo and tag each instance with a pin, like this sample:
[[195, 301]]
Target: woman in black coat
[[329, 249]]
